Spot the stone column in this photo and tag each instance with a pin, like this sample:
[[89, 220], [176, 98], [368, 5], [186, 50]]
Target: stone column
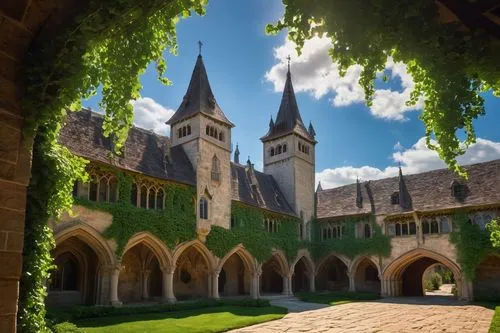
[[285, 286], [312, 283], [113, 290], [215, 284], [145, 284], [352, 282], [255, 285], [168, 284]]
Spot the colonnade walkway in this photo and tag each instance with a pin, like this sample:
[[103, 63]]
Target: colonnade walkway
[[402, 314]]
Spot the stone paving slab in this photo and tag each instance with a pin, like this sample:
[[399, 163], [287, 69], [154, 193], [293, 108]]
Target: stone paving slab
[[399, 315]]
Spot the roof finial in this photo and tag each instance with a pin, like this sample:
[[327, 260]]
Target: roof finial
[[200, 44], [288, 58]]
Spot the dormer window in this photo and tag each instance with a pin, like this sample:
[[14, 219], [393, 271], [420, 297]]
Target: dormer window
[[395, 198], [459, 191]]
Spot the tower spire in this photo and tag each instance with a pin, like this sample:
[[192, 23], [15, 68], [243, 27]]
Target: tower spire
[[237, 155], [404, 195], [288, 58], [200, 44]]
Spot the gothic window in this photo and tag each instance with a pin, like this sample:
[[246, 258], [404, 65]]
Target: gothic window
[[426, 227], [113, 190], [133, 195], [215, 168], [398, 229], [211, 131], [335, 234], [284, 147], [188, 129], [151, 198], [279, 149], [103, 189], [75, 190], [203, 209], [93, 190], [160, 199], [144, 197], [300, 146], [444, 225], [179, 133], [367, 231], [413, 228], [330, 233], [221, 136], [272, 151], [434, 227], [395, 198], [404, 229], [207, 130]]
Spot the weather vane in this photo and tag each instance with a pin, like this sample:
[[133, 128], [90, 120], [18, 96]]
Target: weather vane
[[200, 44]]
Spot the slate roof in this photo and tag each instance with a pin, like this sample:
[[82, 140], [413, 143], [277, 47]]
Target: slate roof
[[199, 98], [144, 151], [288, 119], [429, 191], [265, 194]]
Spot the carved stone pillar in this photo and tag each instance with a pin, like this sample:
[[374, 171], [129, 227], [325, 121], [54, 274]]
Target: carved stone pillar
[[145, 284], [113, 290], [215, 284], [168, 284], [255, 285], [312, 282], [352, 282]]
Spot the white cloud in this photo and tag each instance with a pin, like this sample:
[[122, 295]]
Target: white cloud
[[398, 146], [314, 72], [148, 114], [416, 159]]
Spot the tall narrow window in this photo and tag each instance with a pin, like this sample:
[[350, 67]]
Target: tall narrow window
[[215, 168], [144, 197], [184, 131], [368, 231], [159, 199], [434, 227], [284, 147], [207, 130], [113, 190], [133, 195], [103, 190], [93, 190], [221, 136], [404, 228], [272, 151], [413, 228], [444, 226], [179, 133], [426, 227], [151, 199], [203, 209], [398, 229], [188, 129], [279, 149]]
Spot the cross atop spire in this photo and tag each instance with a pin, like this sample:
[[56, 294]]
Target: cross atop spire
[[200, 44], [288, 58]]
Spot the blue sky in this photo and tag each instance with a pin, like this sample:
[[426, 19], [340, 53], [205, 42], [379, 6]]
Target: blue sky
[[246, 69]]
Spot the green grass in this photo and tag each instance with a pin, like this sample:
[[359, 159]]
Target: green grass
[[495, 322], [218, 319], [336, 297]]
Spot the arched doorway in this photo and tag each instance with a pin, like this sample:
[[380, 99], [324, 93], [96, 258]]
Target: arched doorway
[[234, 277], [191, 278], [273, 273], [76, 278], [486, 285], [302, 273], [366, 277], [140, 275], [404, 276], [332, 274]]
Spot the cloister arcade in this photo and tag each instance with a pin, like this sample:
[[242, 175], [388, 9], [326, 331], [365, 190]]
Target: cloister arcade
[[89, 272]]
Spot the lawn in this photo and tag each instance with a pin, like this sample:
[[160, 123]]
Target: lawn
[[217, 319], [336, 297], [495, 322]]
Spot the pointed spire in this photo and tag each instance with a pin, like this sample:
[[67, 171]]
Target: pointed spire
[[271, 123], [199, 97], [311, 130], [404, 195], [237, 155], [319, 188], [288, 119], [359, 196]]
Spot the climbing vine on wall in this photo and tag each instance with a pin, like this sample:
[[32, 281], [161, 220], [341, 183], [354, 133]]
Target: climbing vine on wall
[[249, 230], [349, 245], [174, 224], [472, 244], [108, 45]]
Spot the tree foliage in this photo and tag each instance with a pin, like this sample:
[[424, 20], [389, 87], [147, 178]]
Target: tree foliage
[[450, 65]]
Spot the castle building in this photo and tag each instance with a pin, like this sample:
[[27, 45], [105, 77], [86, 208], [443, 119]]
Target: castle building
[[174, 218]]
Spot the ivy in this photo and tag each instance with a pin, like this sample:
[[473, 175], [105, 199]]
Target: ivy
[[349, 245], [249, 230], [472, 244], [172, 225], [450, 66], [108, 45], [494, 229]]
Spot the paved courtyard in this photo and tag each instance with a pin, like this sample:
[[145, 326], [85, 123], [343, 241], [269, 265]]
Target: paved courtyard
[[424, 314]]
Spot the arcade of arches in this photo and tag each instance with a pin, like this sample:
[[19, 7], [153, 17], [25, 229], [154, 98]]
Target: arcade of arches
[[89, 273]]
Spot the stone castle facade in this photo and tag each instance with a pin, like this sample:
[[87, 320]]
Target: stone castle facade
[[414, 211]]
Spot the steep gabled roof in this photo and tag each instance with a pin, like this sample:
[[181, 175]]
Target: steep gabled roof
[[288, 120], [145, 151], [199, 98], [429, 191], [257, 189]]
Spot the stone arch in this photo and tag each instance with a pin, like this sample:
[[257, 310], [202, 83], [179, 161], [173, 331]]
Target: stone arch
[[275, 273], [303, 254], [244, 255], [365, 274], [339, 256], [302, 270], [200, 247], [156, 246], [332, 272], [393, 274], [92, 238]]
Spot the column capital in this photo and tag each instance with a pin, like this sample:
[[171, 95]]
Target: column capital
[[168, 269]]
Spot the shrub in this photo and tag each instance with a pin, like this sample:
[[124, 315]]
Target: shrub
[[434, 282], [66, 327]]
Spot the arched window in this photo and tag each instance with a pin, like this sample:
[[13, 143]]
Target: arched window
[[334, 234], [211, 131], [434, 227], [404, 229], [284, 147], [215, 168], [184, 131], [160, 199], [203, 209], [216, 135], [368, 231], [426, 228], [398, 229], [188, 129], [151, 198], [300, 146], [279, 149], [413, 228], [207, 130], [93, 189], [179, 133], [103, 189], [272, 151], [133, 195], [221, 136], [113, 190], [144, 197]]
